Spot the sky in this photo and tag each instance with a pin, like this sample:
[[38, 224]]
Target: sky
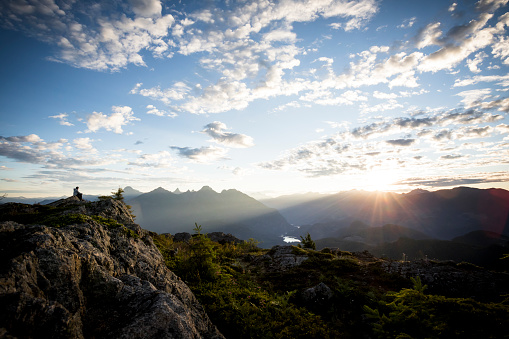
[[266, 97]]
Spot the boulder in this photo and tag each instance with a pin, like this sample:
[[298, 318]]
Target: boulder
[[92, 280], [317, 296], [182, 236]]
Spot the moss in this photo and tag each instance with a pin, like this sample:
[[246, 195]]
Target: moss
[[300, 251], [129, 233]]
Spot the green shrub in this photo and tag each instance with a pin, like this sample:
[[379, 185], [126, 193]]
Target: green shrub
[[307, 242], [410, 313]]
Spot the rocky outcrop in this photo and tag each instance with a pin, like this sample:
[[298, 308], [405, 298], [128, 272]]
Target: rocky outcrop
[[107, 208], [281, 258], [92, 280], [182, 236]]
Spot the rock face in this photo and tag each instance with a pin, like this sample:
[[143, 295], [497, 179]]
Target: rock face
[[92, 280]]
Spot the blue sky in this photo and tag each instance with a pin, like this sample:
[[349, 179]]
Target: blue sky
[[273, 97]]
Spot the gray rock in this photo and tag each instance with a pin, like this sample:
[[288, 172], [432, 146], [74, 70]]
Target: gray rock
[[317, 296], [280, 258], [92, 281], [182, 236]]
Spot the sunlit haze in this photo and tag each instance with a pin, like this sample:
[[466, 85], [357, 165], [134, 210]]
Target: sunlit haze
[[273, 97]]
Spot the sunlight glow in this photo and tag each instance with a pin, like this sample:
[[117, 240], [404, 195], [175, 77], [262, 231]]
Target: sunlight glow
[[378, 180]]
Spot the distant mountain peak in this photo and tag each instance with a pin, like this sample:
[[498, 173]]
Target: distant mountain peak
[[206, 189], [417, 191], [128, 190], [160, 190], [177, 191]]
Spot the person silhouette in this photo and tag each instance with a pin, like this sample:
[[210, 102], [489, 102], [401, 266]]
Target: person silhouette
[[77, 193]]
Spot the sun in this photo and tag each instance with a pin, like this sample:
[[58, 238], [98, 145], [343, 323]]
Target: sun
[[379, 180]]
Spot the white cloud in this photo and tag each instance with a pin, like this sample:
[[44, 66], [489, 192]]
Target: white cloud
[[34, 150], [121, 116], [473, 64], [381, 95], [467, 40], [501, 49], [63, 119], [162, 159], [216, 130], [146, 8], [161, 113], [473, 97], [503, 80], [242, 42], [84, 144], [428, 36], [93, 36], [389, 105], [407, 23]]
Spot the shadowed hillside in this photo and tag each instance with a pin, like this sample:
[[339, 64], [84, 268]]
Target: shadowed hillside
[[229, 211], [443, 214]]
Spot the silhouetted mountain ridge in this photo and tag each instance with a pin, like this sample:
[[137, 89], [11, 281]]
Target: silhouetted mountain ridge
[[229, 211], [442, 214]]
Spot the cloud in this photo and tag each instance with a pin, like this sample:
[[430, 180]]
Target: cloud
[[473, 98], [155, 111], [162, 159], [407, 23], [473, 64], [243, 43], [112, 35], [459, 43], [146, 8], [428, 35], [93, 35], [216, 130], [501, 49], [391, 144], [84, 144], [34, 150], [239, 52], [490, 5], [461, 180], [400, 142], [121, 116], [201, 155], [503, 80], [63, 119]]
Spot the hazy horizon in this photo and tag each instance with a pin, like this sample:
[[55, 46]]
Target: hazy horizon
[[256, 195], [275, 97]]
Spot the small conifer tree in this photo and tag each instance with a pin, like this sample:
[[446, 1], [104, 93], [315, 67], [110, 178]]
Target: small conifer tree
[[307, 242]]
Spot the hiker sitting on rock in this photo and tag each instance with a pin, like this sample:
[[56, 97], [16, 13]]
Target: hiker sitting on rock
[[77, 193]]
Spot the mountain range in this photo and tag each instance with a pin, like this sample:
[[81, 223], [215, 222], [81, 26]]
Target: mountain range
[[442, 214], [230, 211], [440, 224]]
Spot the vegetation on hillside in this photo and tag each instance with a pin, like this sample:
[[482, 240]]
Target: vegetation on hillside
[[246, 301]]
